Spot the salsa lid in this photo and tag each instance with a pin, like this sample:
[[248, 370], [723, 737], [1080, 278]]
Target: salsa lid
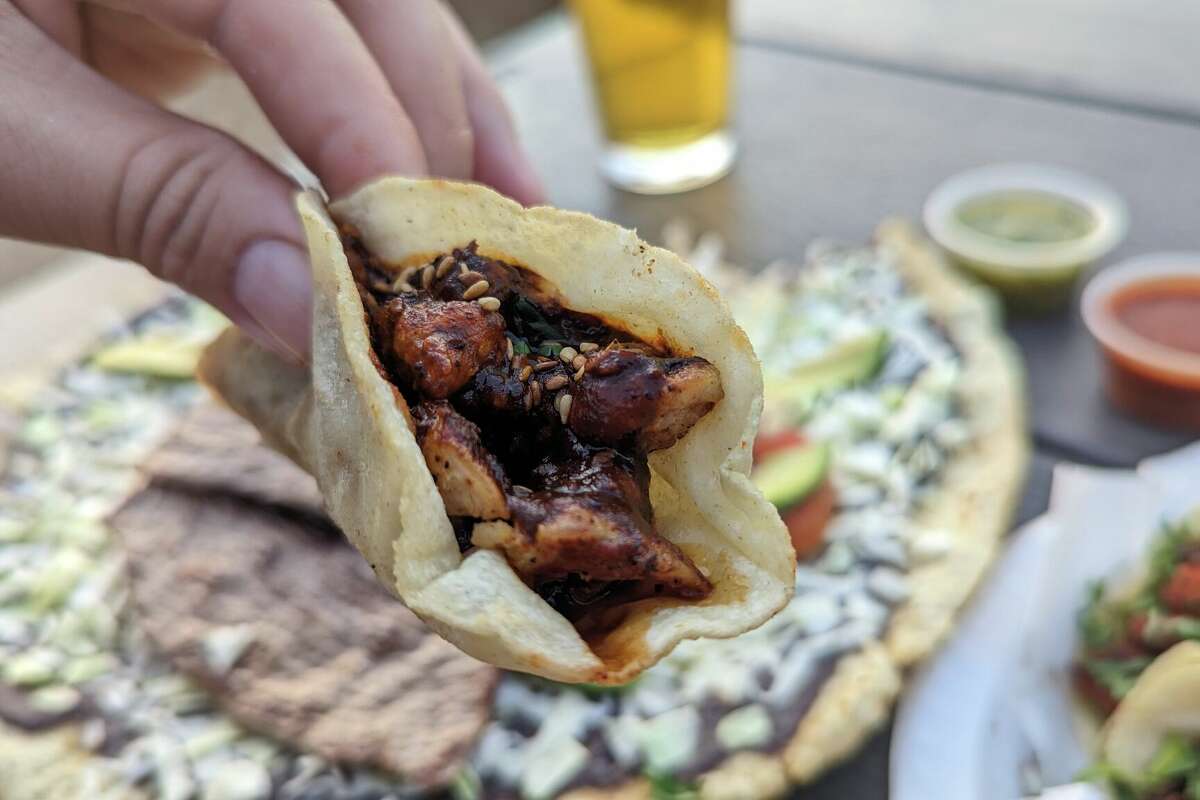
[[1102, 317], [1107, 218]]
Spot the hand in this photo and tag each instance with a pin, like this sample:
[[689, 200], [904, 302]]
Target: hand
[[357, 88]]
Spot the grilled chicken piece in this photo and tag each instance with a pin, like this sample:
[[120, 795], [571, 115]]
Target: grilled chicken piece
[[438, 347], [626, 396], [469, 478], [591, 519]]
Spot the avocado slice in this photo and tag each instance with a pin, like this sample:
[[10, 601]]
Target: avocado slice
[[785, 478], [850, 362]]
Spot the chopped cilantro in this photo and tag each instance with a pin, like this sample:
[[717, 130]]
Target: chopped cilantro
[[1164, 557], [551, 349], [1176, 765], [1103, 772], [1099, 623], [668, 787], [531, 322], [1187, 627], [1117, 675], [520, 346], [466, 785], [1176, 759]]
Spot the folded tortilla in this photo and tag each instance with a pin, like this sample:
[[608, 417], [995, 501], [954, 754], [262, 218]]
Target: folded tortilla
[[1164, 701], [349, 427]]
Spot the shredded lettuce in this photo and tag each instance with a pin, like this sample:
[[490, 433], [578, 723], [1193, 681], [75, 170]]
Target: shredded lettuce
[[1176, 759], [1164, 557], [1176, 764], [1100, 623], [1117, 675]]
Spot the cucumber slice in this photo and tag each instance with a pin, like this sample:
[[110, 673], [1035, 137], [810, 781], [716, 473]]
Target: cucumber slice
[[853, 361], [788, 477]]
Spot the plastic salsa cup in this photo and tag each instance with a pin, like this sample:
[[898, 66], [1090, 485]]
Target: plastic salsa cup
[[1027, 230], [1145, 315]]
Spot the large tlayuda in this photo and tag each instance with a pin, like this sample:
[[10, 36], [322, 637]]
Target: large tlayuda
[[536, 428]]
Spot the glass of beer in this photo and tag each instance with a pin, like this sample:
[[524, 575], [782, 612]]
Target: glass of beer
[[661, 74]]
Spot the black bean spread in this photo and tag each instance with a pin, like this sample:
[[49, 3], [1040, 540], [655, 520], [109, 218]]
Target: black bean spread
[[535, 421]]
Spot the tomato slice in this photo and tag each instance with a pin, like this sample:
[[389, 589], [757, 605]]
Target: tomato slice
[[1095, 694], [806, 522], [1181, 593], [774, 442]]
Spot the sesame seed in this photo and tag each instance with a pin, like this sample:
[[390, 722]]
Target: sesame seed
[[402, 286], [471, 276], [427, 277], [588, 347], [564, 407], [535, 391], [579, 373], [542, 366], [555, 382], [444, 266], [476, 289], [508, 346], [567, 354], [492, 304], [462, 269], [529, 399], [525, 373], [578, 361]]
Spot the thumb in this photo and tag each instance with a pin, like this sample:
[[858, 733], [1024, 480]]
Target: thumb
[[87, 164]]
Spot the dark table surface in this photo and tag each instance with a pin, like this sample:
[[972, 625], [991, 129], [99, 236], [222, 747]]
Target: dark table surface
[[831, 146]]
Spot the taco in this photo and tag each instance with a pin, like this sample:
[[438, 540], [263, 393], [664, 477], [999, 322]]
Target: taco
[[535, 427], [1151, 743]]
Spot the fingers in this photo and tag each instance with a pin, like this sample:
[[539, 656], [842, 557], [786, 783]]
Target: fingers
[[89, 165], [500, 161], [314, 78], [411, 42]]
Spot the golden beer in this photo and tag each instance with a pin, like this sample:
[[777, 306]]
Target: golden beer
[[661, 74]]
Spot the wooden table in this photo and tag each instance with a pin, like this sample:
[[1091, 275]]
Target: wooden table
[[832, 144]]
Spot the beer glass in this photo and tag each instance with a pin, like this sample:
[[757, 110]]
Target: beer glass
[[660, 70]]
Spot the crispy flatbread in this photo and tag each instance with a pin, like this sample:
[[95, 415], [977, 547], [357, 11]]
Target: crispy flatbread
[[350, 428]]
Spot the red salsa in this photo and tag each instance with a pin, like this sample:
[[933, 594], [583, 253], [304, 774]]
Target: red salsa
[[1165, 311]]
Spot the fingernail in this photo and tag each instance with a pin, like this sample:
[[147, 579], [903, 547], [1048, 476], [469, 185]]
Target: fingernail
[[274, 287]]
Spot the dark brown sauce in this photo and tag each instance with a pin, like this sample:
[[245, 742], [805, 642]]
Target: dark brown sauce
[[1165, 311], [550, 471]]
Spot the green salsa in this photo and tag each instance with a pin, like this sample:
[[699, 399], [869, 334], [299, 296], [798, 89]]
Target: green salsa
[[1027, 217]]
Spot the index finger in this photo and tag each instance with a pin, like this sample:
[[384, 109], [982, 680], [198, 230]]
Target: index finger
[[314, 78]]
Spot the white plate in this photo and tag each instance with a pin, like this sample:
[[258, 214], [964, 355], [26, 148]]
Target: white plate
[[992, 715]]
